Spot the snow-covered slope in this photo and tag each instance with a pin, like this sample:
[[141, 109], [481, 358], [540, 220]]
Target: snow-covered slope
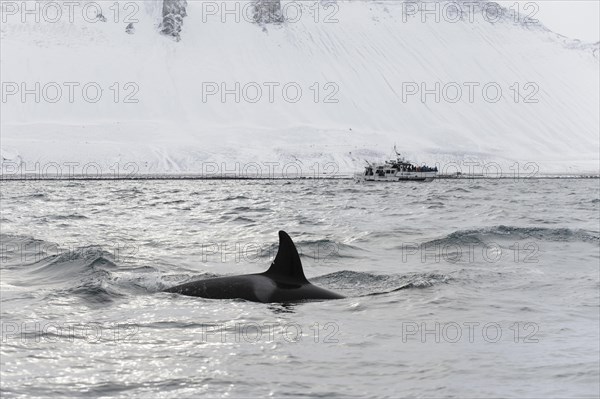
[[356, 62]]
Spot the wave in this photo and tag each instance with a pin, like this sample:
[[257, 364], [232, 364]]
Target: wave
[[356, 283], [457, 190], [84, 271], [72, 216], [249, 209], [243, 219], [508, 233], [18, 251], [80, 262], [435, 205], [34, 195], [233, 197]]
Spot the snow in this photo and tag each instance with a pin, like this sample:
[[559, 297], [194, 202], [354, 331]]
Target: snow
[[364, 63]]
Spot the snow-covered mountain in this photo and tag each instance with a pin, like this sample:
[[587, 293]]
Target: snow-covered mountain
[[200, 83]]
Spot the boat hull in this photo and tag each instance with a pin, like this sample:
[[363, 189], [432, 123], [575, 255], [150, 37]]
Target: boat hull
[[399, 177]]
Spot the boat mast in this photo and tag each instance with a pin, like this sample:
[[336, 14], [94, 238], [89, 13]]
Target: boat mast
[[398, 155]]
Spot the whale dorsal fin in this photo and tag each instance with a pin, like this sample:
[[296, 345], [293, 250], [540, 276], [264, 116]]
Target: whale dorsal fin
[[287, 264]]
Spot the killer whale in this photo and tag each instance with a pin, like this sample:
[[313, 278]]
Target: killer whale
[[283, 282]]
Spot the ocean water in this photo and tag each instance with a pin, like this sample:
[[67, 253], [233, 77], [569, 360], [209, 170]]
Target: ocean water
[[464, 288]]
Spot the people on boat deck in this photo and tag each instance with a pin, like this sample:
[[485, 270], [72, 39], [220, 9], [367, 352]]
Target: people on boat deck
[[413, 168], [401, 167]]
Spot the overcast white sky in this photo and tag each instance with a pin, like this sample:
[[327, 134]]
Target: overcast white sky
[[577, 19]]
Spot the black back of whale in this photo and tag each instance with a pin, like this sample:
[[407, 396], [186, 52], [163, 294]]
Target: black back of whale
[[283, 282]]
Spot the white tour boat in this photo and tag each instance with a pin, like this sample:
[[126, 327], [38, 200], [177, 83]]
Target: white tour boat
[[397, 170]]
